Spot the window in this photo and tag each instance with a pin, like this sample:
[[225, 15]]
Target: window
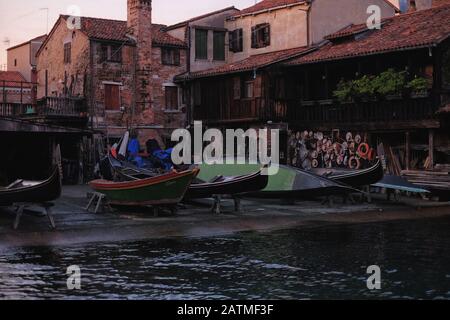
[[261, 35], [170, 56], [248, 89], [171, 98], [201, 44], [112, 97], [110, 53], [15, 62], [236, 40], [67, 52], [115, 53], [219, 46]]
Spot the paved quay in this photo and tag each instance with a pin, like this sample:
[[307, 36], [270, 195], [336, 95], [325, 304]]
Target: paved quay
[[77, 226]]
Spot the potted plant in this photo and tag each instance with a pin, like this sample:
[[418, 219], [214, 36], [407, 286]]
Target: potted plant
[[418, 87]]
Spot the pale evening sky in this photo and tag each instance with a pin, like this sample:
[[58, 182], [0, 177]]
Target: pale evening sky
[[21, 20]]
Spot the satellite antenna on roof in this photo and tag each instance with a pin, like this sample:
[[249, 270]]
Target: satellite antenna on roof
[[46, 9]]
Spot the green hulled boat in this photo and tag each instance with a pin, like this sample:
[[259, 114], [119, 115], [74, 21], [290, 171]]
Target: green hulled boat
[[167, 189], [288, 182]]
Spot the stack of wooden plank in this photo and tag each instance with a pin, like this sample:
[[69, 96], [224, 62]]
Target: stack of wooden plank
[[431, 179]]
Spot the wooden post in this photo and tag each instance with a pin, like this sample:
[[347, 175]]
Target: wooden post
[[21, 98], [46, 83], [407, 150], [431, 147]]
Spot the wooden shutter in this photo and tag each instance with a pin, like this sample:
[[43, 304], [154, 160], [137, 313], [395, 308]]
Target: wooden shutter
[[254, 37], [171, 98], [237, 88], [201, 44], [176, 54], [112, 97], [266, 35], [258, 87], [240, 40], [231, 40]]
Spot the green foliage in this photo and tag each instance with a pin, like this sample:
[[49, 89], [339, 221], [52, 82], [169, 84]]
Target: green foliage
[[389, 82], [418, 84], [344, 91]]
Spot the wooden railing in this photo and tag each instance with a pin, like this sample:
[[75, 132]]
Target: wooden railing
[[50, 106], [15, 109], [364, 112], [63, 107]]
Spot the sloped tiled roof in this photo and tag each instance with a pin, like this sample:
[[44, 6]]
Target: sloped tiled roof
[[162, 38], [437, 3], [116, 30], [13, 79], [269, 4], [184, 23], [37, 39], [408, 31], [251, 63]]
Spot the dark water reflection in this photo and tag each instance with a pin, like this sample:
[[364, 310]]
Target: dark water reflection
[[327, 262]]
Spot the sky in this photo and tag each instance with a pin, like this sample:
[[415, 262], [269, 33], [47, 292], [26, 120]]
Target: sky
[[22, 20]]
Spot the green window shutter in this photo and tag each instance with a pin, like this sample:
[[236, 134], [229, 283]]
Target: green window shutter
[[219, 46], [201, 44]]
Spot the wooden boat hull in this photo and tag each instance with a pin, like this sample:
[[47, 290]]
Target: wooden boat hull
[[357, 178], [254, 181], [167, 189], [229, 186], [288, 183], [33, 191]]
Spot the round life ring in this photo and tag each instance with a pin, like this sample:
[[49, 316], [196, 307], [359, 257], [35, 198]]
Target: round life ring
[[315, 163], [358, 139], [314, 154], [354, 163], [363, 150]]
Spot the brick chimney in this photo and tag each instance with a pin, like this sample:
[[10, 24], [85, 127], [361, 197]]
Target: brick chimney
[[139, 21]]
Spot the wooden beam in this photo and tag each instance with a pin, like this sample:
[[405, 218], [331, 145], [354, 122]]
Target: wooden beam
[[407, 150], [431, 147]]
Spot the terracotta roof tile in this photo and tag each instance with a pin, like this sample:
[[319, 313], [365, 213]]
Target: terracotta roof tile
[[13, 79], [269, 4], [437, 3], [407, 31], [251, 63], [116, 30]]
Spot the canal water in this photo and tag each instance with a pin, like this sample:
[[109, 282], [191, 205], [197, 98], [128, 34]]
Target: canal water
[[328, 262]]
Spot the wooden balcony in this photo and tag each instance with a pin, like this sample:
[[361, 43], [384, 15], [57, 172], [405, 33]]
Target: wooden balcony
[[372, 115], [55, 110]]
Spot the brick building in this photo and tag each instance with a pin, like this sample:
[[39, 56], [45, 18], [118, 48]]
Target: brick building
[[123, 70]]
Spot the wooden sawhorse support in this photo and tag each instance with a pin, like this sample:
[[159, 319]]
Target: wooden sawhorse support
[[101, 198], [216, 207], [48, 212]]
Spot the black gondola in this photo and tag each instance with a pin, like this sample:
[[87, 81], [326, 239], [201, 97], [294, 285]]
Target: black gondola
[[354, 178], [227, 186], [286, 183], [22, 191]]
